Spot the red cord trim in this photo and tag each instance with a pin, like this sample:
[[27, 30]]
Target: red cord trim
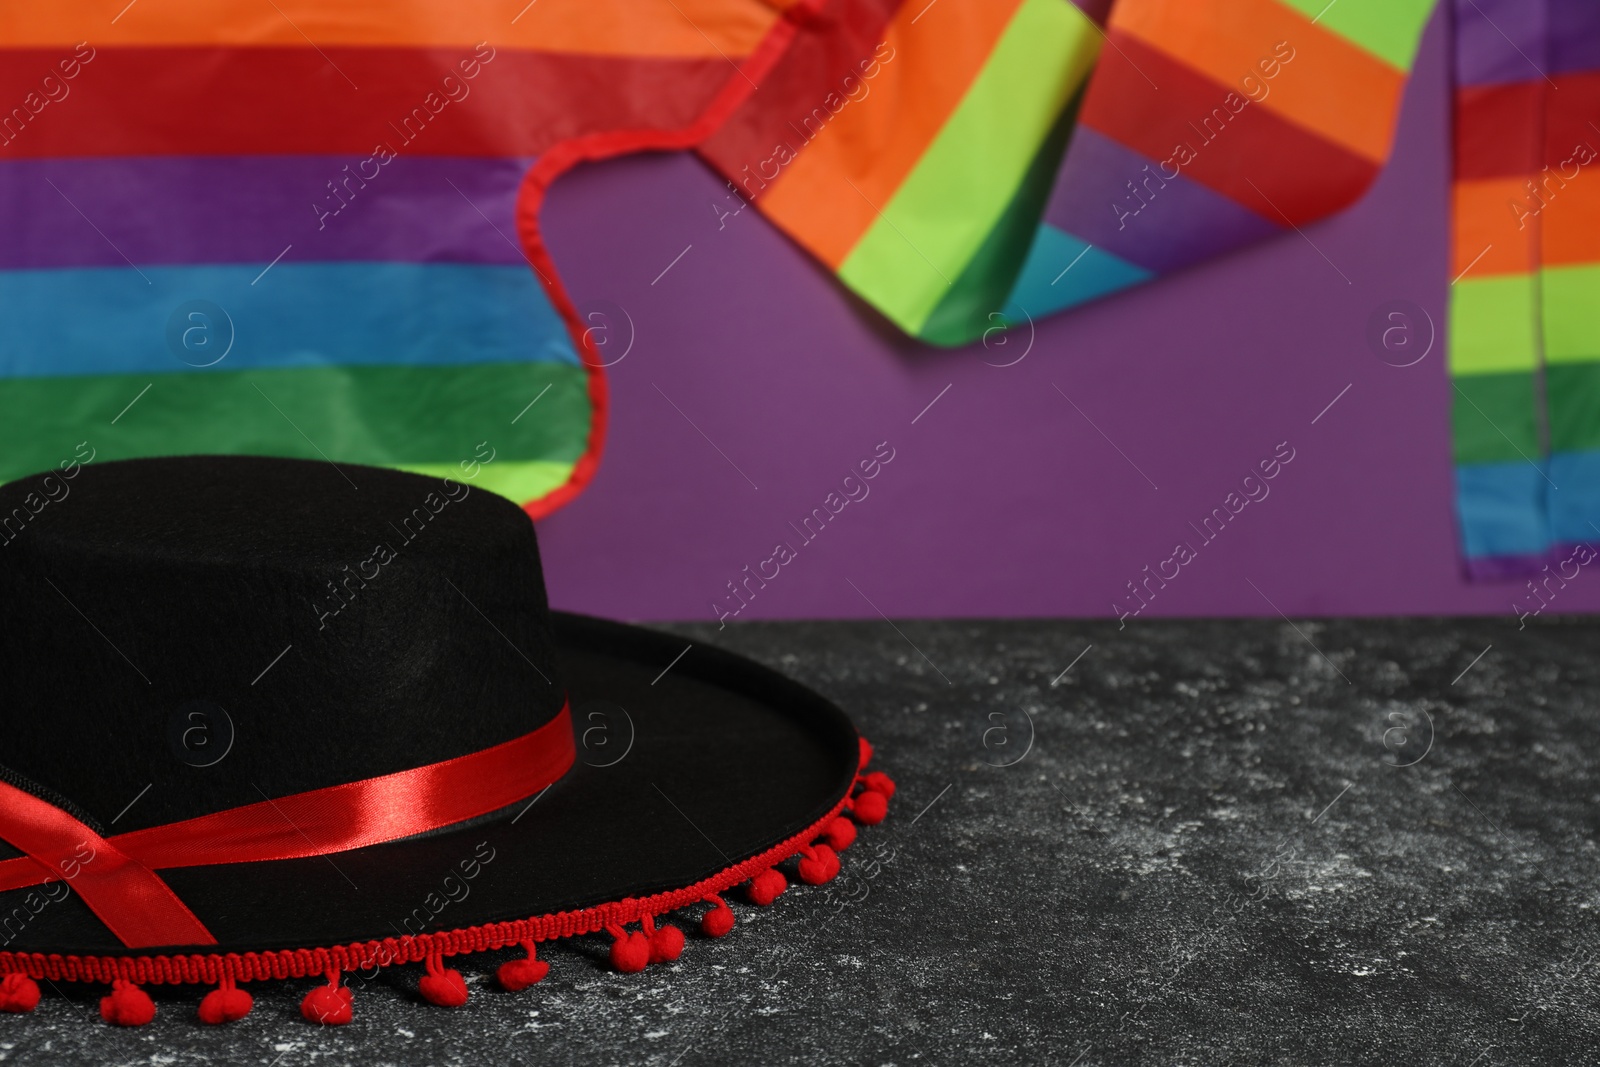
[[562, 157], [212, 968]]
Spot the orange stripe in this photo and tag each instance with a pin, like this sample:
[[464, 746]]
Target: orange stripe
[[1331, 86], [1570, 220], [875, 141], [1483, 218], [678, 28]]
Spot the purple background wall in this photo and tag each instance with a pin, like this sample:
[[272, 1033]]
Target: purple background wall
[[1002, 498]]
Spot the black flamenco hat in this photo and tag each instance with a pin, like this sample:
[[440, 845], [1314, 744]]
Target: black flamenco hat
[[269, 718]]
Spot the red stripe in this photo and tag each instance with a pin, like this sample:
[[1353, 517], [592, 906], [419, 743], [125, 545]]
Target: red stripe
[[1497, 130], [117, 879], [1516, 130], [814, 66], [1572, 113], [1298, 173], [267, 101]]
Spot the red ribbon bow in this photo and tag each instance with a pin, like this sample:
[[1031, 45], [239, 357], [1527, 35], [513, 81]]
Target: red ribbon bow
[[115, 876]]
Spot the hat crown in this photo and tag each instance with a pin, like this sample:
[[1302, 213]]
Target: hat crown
[[228, 628]]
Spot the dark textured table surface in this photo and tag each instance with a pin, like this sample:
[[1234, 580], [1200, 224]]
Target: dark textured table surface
[[1204, 843]]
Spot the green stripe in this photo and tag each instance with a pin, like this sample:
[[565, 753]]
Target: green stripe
[[1573, 397], [1492, 325], [1389, 29], [977, 301], [521, 482], [1492, 418], [909, 258], [1571, 326], [381, 415]]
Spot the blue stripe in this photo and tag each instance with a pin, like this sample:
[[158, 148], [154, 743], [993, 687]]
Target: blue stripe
[[1575, 507], [1062, 271], [1502, 509], [110, 321]]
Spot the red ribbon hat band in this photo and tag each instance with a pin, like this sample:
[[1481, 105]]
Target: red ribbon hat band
[[116, 876]]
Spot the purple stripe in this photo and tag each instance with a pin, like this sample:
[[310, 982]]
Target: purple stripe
[[1506, 568], [235, 209], [1500, 41], [1574, 35], [1180, 222], [1098, 10]]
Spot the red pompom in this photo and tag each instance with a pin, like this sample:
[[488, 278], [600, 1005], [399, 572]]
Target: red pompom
[[445, 988], [840, 834], [127, 1005], [767, 886], [820, 868], [879, 782], [866, 754], [630, 954], [18, 993], [520, 974], [870, 807], [225, 1004], [328, 1004], [666, 944], [717, 922]]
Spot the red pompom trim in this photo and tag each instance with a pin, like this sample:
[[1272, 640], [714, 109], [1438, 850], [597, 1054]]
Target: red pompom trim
[[767, 886], [840, 835], [879, 782], [630, 953], [666, 944], [225, 1004], [870, 808], [330, 1005], [516, 975], [718, 921], [443, 986], [18, 993], [127, 1005], [819, 867]]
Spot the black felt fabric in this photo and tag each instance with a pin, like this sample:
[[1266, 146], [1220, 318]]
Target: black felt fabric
[[143, 590], [724, 759], [679, 774]]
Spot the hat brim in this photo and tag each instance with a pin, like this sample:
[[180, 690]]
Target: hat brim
[[696, 769]]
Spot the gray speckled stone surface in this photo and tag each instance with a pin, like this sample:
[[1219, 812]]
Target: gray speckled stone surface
[[1213, 845]]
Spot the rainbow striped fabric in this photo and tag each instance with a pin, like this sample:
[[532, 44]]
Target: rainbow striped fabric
[[311, 227], [1524, 335], [293, 228], [962, 163]]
